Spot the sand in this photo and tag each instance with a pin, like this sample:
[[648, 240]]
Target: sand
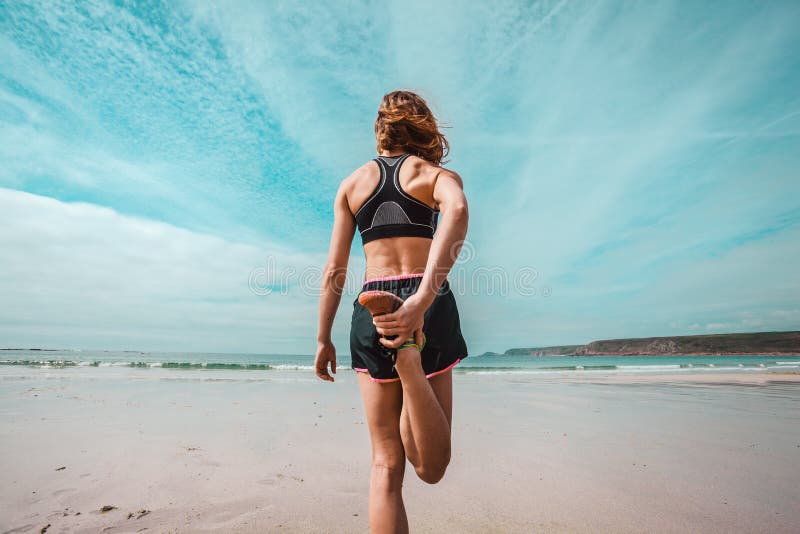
[[712, 452]]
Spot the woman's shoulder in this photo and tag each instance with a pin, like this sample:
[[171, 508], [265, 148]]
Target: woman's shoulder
[[360, 178], [435, 172], [365, 172], [432, 170], [451, 175]]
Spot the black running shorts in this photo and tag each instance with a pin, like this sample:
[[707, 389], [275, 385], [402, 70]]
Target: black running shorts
[[444, 346]]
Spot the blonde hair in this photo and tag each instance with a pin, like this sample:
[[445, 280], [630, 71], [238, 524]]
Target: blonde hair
[[406, 123]]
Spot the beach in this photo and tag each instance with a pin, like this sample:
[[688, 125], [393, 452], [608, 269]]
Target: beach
[[172, 450]]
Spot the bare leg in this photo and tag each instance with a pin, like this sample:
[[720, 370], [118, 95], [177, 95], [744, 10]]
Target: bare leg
[[442, 385], [426, 425], [382, 404]]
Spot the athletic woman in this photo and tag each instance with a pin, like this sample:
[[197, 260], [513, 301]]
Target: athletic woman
[[402, 358]]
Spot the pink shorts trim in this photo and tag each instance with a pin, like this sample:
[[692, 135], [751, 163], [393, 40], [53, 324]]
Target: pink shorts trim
[[375, 379], [360, 370], [395, 277], [445, 369]]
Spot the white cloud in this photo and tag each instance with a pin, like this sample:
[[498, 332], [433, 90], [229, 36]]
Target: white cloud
[[77, 275]]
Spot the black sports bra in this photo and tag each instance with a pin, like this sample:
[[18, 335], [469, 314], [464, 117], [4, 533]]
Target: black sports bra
[[390, 211]]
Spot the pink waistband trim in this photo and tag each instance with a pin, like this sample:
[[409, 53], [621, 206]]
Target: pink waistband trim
[[395, 277]]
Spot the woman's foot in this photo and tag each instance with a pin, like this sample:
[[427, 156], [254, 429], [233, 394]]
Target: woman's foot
[[379, 302]]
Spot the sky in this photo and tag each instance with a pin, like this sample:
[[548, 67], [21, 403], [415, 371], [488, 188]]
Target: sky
[[167, 169]]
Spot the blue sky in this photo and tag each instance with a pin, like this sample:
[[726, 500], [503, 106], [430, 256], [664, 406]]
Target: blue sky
[[642, 158]]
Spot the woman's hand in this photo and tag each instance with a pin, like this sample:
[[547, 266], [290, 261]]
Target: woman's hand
[[403, 322], [326, 352]]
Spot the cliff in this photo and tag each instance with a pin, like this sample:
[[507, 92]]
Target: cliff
[[787, 343]]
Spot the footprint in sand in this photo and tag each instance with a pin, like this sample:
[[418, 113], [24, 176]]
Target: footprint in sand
[[23, 528], [61, 513], [278, 477]]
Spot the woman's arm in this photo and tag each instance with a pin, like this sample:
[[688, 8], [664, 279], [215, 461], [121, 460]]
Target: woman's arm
[[333, 279], [448, 193]]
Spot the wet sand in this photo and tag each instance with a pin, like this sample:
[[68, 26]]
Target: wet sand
[[591, 452]]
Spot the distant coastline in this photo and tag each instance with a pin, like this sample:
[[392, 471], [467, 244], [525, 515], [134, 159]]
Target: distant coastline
[[756, 343], [752, 344]]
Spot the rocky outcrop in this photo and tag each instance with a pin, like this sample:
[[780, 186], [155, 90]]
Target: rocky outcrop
[[787, 343]]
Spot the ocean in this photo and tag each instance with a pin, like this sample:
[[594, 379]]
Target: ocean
[[253, 366]]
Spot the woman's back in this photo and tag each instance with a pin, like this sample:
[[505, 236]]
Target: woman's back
[[394, 205]]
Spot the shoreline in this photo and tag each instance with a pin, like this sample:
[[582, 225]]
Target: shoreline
[[577, 453], [755, 377]]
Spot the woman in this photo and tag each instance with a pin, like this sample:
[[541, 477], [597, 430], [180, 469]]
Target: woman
[[403, 359]]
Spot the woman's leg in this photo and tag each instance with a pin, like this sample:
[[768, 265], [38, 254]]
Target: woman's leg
[[382, 404], [426, 415]]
